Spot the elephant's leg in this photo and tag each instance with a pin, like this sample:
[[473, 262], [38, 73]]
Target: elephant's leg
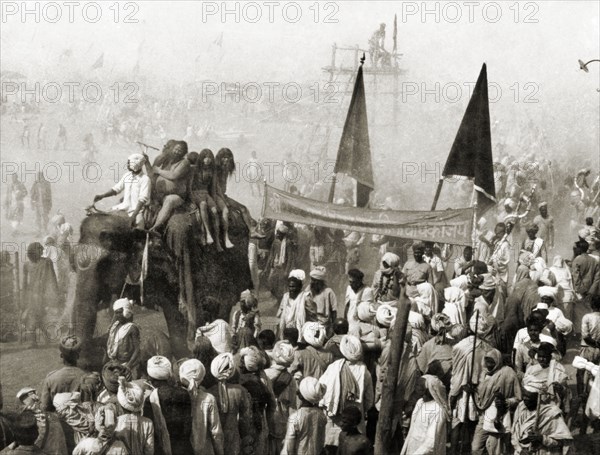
[[177, 326]]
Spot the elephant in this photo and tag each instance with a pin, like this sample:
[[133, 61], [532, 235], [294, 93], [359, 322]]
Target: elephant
[[109, 251]]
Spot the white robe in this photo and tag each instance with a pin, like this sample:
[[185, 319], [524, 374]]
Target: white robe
[[427, 434]]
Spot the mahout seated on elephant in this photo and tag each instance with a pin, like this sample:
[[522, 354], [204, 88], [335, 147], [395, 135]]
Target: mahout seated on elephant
[[180, 273]]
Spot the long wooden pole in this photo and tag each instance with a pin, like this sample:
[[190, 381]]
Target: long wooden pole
[[437, 194], [385, 432]]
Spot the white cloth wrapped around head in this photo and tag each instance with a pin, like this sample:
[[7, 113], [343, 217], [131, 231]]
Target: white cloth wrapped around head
[[136, 161], [532, 384], [193, 372], [66, 399], [314, 334], [365, 312], [283, 353], [319, 273], [159, 368], [482, 323], [386, 314], [219, 334], [252, 358], [548, 291], [391, 259], [126, 305], [351, 348], [297, 274], [312, 390], [223, 366], [130, 395]]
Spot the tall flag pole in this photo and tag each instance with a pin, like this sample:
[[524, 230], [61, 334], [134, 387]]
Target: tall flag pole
[[354, 153], [395, 34], [471, 152]]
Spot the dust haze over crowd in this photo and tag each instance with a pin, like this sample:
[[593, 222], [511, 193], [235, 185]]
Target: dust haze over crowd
[[541, 102]]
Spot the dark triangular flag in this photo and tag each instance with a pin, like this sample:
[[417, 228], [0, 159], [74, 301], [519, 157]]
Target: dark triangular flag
[[354, 154], [99, 63], [471, 153]]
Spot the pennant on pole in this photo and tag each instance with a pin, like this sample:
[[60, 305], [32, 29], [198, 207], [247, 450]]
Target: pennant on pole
[[354, 153], [471, 153]]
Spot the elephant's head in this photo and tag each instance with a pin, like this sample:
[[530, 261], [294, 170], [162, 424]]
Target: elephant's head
[[108, 251]]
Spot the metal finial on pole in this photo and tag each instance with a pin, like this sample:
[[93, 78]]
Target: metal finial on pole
[[362, 59]]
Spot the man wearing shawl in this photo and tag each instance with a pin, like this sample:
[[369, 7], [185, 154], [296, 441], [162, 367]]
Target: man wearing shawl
[[306, 427], [234, 404], [436, 354], [427, 433], [356, 293], [564, 282], [500, 257], [170, 408], [498, 390], [348, 381], [282, 260], [455, 306], [552, 375], [313, 359], [464, 380], [552, 435], [545, 223], [123, 343], [291, 311], [41, 290], [206, 431], [136, 431], [284, 389], [77, 418], [321, 303], [388, 279], [254, 380]]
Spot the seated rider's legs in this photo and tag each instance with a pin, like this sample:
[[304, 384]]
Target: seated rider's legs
[[170, 203], [225, 214]]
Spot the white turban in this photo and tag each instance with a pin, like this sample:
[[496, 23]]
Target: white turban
[[219, 334], [416, 320], [298, 274], [314, 334], [482, 324], [283, 353], [159, 368], [364, 312], [391, 259], [351, 348], [386, 315], [252, 358], [548, 291], [319, 273], [563, 325], [541, 306], [126, 305], [193, 372], [312, 390], [136, 161], [533, 384], [547, 339], [64, 399], [130, 395], [223, 366]]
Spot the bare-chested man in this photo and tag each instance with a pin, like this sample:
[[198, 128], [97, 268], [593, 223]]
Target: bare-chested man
[[171, 183]]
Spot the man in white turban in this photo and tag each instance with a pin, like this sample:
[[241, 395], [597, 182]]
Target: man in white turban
[[306, 427], [135, 186], [356, 293], [234, 404], [321, 303], [552, 435], [136, 431], [292, 313], [312, 360], [387, 280], [123, 344]]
